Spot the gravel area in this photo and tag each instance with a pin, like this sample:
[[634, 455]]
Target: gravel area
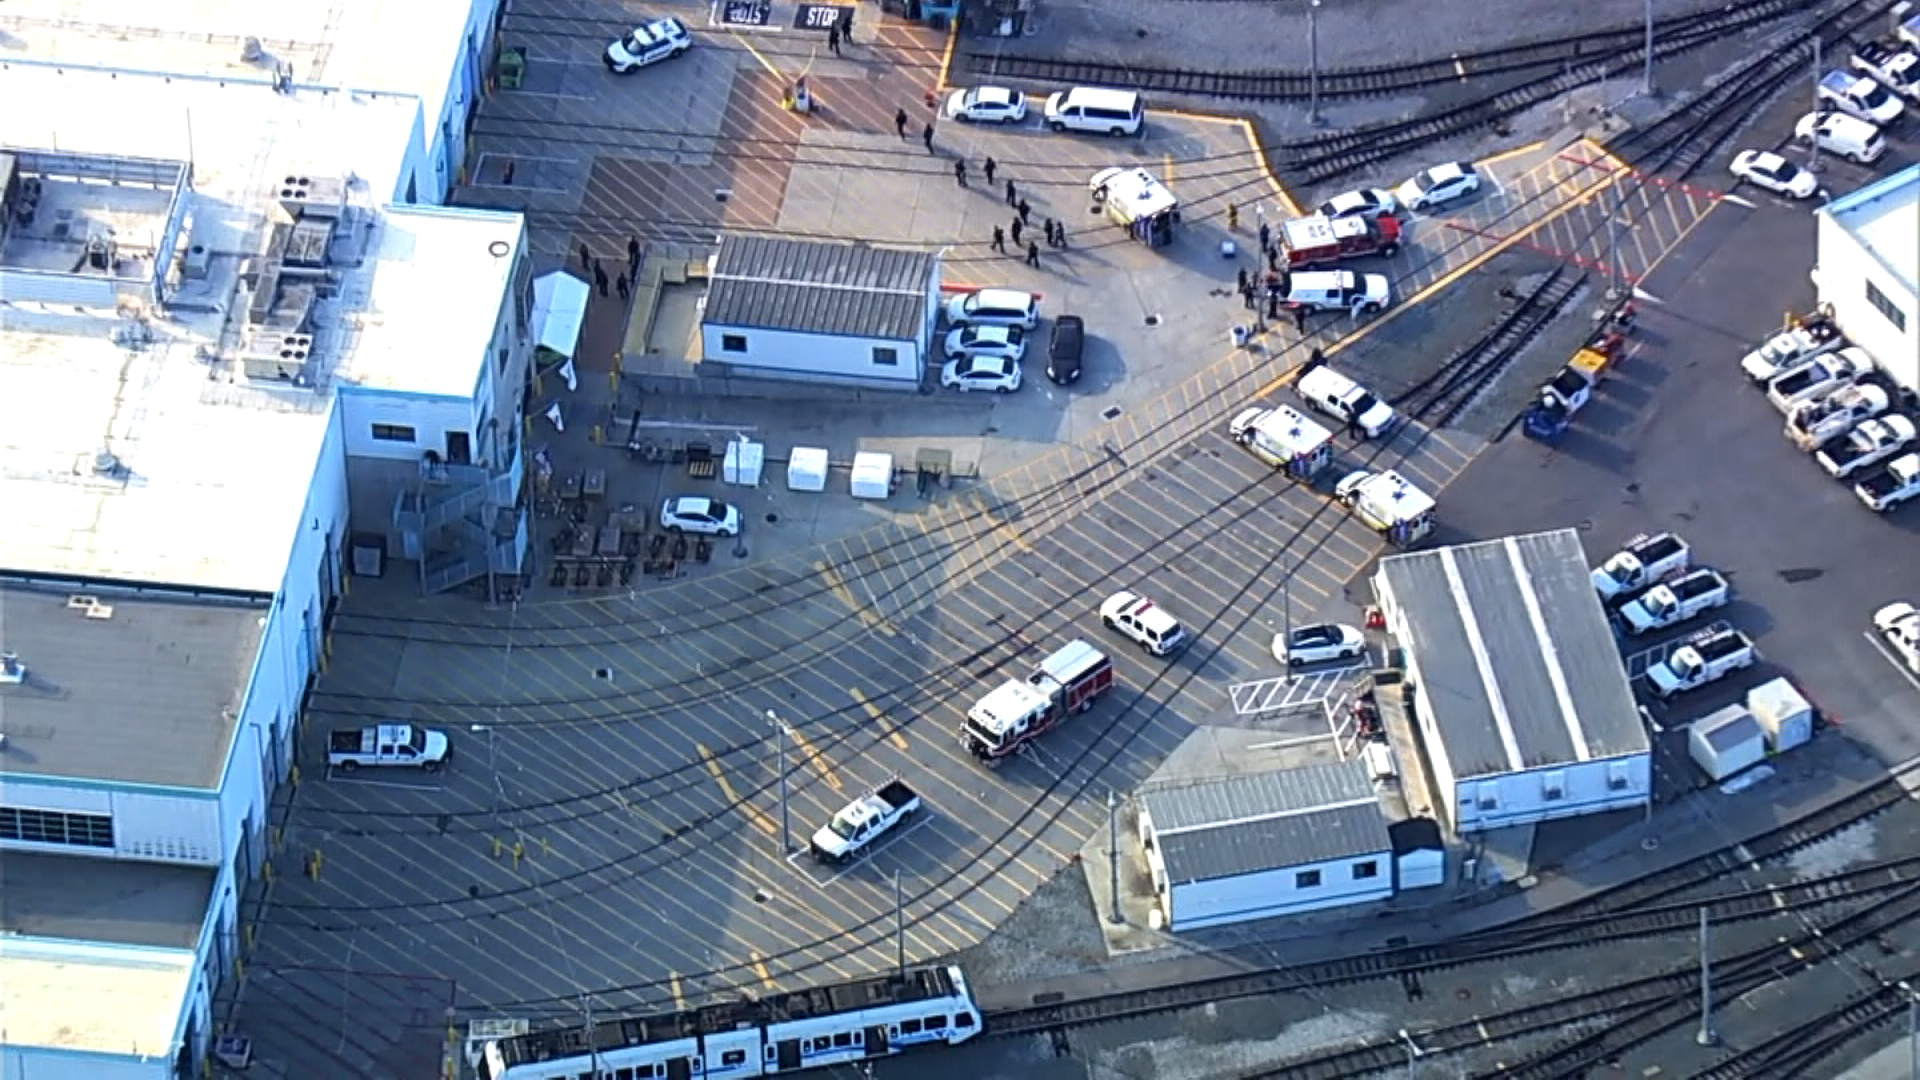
[[1263, 35]]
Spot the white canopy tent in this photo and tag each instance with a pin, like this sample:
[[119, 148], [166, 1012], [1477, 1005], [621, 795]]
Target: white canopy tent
[[559, 311]]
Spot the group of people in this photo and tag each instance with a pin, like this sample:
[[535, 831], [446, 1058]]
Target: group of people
[[1273, 286]]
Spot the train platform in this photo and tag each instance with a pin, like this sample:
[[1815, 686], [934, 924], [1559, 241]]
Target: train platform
[[1693, 828]]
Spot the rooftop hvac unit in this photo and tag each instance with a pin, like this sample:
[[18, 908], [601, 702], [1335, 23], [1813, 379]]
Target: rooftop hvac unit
[[12, 671], [198, 262], [313, 196], [307, 242], [276, 357]]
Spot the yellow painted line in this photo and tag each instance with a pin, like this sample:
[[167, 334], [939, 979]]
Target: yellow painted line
[[1260, 159], [1508, 155], [877, 714], [679, 993], [837, 585], [1205, 118], [766, 977], [1167, 159], [764, 62], [946, 57], [754, 814], [820, 764]]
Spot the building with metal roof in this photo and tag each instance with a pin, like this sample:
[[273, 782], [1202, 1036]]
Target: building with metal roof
[[822, 311], [1519, 690], [1283, 841], [1867, 270]]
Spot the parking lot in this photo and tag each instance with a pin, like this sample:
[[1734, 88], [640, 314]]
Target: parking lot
[[613, 817]]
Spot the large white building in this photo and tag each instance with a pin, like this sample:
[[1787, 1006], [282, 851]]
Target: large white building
[[1868, 270], [434, 54], [228, 344], [1519, 692]]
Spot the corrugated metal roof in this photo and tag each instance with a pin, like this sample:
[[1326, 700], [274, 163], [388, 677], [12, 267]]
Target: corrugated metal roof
[[1516, 661], [813, 287], [1275, 843], [1265, 821]]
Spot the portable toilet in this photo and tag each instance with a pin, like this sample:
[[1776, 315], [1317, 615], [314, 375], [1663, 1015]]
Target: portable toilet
[[1783, 712], [1725, 742]]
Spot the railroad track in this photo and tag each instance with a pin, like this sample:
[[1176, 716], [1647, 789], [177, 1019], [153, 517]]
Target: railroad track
[[1384, 80], [1683, 140], [1318, 160], [1794, 1052], [1615, 1018], [1440, 397], [1412, 962]]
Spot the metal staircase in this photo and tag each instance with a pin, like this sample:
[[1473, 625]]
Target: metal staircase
[[461, 522]]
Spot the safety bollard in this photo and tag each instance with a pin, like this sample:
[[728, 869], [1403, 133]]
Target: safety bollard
[[519, 852], [538, 386], [499, 846], [246, 935], [266, 871], [595, 435], [546, 847]]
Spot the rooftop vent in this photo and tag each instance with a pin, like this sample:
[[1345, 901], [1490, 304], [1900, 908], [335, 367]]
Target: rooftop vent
[[12, 671], [313, 196], [108, 464], [90, 607], [276, 356]]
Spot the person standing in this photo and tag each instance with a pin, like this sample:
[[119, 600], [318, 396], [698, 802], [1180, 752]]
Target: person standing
[[926, 136], [1060, 235], [1033, 254], [900, 122], [1046, 229], [999, 239], [1013, 197], [1249, 296], [1233, 217], [1300, 318], [960, 172], [506, 176], [633, 255], [833, 39], [1025, 210], [620, 286], [586, 258], [1244, 279], [1016, 232], [988, 169], [600, 279]]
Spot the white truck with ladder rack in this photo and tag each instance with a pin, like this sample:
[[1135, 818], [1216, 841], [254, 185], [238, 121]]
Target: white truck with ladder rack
[[1022, 709], [1389, 504]]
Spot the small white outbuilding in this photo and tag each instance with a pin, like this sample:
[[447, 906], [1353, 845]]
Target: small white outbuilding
[[1725, 742]]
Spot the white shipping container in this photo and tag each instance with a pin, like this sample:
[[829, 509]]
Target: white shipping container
[[1784, 712], [744, 462], [1725, 742], [807, 469], [872, 475]]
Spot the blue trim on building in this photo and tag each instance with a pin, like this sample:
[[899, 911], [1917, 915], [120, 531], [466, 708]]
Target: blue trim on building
[[1880, 188]]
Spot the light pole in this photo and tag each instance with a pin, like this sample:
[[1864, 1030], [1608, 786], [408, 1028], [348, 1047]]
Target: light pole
[[1706, 1036], [1647, 86], [1413, 1052], [1813, 144], [1313, 64], [780, 733], [1286, 623]]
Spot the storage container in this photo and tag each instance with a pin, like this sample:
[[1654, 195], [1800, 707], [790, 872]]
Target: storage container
[[744, 462], [1784, 712], [1725, 742], [872, 475], [807, 469]]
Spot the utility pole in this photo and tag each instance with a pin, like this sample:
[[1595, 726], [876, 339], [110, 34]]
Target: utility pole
[[899, 927], [1813, 144], [1706, 1036], [1113, 857], [1413, 1052], [780, 731], [1647, 86], [1286, 622], [1313, 64], [1913, 1028]]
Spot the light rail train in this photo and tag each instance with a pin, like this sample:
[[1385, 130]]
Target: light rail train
[[770, 1036]]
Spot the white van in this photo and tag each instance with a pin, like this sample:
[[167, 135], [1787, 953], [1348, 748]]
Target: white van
[[1096, 109], [1339, 290], [1837, 133], [994, 307]]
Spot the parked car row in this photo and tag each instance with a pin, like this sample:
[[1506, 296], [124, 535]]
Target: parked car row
[[1651, 584], [990, 329], [1840, 409], [1093, 109], [1853, 106]]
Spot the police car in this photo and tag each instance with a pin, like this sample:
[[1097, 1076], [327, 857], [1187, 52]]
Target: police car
[[648, 43], [1146, 622]]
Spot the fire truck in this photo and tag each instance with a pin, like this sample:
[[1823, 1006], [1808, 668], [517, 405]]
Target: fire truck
[[1023, 709], [1312, 241]]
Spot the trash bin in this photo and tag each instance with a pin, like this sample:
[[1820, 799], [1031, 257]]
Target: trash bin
[[513, 68], [1241, 335], [1229, 249]]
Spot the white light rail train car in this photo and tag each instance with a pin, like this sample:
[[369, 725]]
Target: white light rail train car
[[771, 1036]]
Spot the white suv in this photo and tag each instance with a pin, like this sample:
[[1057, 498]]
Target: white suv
[[647, 44], [994, 307], [1146, 622]]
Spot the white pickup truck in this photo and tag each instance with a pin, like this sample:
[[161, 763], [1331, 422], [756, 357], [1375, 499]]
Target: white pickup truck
[[1710, 656], [1673, 602], [1888, 487], [1895, 63], [1813, 424], [1644, 560], [1898, 624], [1808, 337], [864, 820], [1866, 445], [388, 745], [1859, 97]]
